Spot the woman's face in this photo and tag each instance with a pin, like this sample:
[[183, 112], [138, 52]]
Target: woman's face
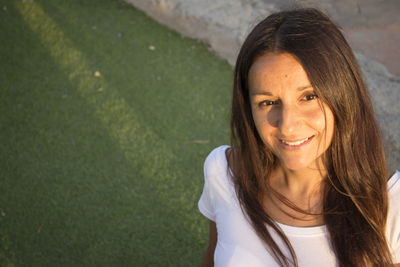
[[289, 117]]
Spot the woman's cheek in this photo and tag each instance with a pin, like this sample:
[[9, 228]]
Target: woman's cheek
[[316, 118]]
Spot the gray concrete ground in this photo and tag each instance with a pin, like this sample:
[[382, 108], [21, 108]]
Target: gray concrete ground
[[372, 28]]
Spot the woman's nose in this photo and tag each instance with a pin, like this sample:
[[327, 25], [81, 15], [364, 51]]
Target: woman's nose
[[289, 120]]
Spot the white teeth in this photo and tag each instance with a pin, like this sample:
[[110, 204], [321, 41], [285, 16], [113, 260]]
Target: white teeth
[[295, 143]]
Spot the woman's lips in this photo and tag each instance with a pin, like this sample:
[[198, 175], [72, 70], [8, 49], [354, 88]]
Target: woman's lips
[[295, 144]]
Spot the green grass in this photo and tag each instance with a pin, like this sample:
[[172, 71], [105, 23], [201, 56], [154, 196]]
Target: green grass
[[104, 170]]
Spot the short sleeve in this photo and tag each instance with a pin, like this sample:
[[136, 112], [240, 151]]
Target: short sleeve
[[215, 186], [393, 222]]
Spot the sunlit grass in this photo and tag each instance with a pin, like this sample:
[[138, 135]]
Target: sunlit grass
[[120, 120], [105, 120]]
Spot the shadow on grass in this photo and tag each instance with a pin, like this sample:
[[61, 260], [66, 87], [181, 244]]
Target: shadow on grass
[[105, 169]]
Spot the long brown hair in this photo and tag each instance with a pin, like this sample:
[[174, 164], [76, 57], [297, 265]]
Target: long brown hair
[[355, 199]]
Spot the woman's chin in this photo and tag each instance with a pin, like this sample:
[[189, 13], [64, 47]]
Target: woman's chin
[[296, 164]]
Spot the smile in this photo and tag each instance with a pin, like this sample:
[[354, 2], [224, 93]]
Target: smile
[[296, 143]]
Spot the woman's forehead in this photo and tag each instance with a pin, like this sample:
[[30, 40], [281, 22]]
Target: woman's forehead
[[277, 71]]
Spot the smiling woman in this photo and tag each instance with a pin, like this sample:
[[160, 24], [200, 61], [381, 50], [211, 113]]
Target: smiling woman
[[299, 185], [289, 118]]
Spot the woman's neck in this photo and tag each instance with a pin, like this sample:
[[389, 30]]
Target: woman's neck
[[302, 183], [302, 191]]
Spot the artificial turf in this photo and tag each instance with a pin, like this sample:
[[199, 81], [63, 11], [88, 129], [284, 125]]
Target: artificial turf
[[106, 118]]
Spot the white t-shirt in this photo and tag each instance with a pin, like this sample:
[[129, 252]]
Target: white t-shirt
[[239, 245]]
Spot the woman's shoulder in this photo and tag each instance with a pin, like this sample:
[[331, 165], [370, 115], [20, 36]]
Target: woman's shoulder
[[216, 170], [216, 160], [393, 219], [394, 186], [394, 198]]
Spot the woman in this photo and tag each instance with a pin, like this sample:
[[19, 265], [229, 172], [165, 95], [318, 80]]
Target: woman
[[304, 182]]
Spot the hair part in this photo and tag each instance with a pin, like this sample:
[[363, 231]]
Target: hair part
[[355, 192]]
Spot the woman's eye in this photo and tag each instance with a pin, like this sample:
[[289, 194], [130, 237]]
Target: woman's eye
[[310, 97], [267, 103]]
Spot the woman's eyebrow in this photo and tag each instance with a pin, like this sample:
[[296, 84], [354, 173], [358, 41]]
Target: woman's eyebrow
[[301, 88], [304, 87], [261, 93]]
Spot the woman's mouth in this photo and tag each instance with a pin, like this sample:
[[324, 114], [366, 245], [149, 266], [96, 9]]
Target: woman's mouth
[[296, 144]]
